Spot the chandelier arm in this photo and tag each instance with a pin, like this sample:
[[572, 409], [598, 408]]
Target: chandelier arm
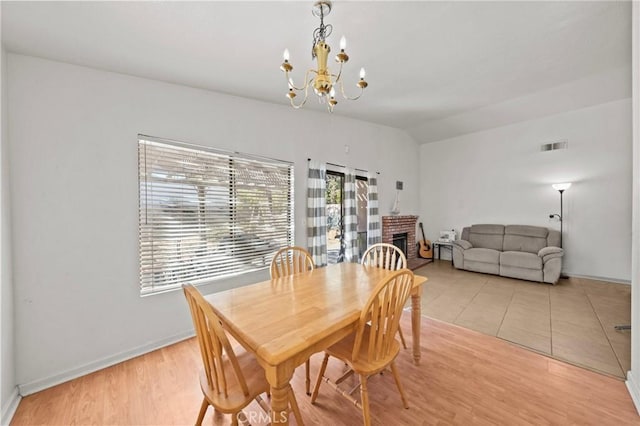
[[344, 95], [339, 74], [304, 101], [306, 79]]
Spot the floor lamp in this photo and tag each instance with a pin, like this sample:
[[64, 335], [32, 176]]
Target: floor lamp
[[560, 187]]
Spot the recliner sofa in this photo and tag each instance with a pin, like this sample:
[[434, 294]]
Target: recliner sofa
[[525, 252]]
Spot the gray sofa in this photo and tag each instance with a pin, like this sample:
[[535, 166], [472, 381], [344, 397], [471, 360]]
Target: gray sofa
[[518, 251]]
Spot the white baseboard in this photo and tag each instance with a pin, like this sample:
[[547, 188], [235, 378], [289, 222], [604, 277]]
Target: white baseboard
[[41, 384], [10, 406], [591, 277], [634, 389]]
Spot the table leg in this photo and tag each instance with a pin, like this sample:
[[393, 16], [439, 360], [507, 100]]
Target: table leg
[[415, 322], [279, 377], [280, 405], [451, 249]]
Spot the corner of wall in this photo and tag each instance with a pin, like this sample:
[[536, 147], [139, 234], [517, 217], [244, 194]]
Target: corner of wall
[[9, 396], [9, 407], [634, 389], [412, 138], [633, 385]]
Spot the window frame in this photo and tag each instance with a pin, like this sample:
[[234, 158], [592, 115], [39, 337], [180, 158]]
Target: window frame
[[250, 177]]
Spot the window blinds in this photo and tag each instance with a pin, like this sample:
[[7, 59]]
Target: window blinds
[[207, 214]]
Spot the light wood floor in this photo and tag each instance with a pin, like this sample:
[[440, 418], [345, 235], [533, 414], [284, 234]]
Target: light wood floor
[[465, 378], [572, 321]]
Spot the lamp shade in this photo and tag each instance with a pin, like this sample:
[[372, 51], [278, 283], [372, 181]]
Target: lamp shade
[[561, 186]]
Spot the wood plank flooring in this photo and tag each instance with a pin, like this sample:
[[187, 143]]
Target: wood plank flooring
[[572, 321], [465, 378]]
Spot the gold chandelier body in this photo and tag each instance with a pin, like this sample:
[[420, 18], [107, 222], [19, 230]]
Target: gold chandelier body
[[323, 81]]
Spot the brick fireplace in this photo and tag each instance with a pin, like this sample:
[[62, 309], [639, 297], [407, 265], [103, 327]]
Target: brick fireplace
[[398, 225]]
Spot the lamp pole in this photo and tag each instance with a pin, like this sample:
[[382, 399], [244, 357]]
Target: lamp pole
[[560, 187]]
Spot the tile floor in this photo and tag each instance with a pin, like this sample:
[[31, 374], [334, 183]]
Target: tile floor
[[572, 321]]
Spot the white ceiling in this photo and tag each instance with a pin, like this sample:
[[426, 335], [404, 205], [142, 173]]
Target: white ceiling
[[427, 62]]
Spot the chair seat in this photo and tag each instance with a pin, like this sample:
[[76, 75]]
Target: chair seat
[[343, 350], [235, 399]]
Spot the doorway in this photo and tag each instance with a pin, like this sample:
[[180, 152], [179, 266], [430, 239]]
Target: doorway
[[335, 215]]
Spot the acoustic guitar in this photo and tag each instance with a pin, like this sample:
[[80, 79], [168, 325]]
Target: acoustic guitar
[[425, 250]]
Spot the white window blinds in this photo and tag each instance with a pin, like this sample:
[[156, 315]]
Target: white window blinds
[[207, 214]]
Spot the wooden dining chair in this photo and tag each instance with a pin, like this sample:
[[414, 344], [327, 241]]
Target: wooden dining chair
[[229, 382], [386, 256], [373, 347], [289, 261]]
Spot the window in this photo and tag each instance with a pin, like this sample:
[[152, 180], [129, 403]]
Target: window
[[335, 215], [207, 214]]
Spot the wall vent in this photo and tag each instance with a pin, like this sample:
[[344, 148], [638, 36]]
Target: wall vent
[[554, 145]]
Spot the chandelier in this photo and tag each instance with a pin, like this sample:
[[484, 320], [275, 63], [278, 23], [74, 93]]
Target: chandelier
[[323, 81]]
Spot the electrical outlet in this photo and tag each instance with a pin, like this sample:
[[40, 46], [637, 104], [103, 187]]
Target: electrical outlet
[[399, 185]]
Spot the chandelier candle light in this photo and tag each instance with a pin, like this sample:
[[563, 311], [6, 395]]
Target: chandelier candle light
[[324, 82]]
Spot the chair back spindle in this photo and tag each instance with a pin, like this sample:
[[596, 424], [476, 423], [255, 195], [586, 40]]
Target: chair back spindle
[[386, 256], [381, 315], [289, 261]]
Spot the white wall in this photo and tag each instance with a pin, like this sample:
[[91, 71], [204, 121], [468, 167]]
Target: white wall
[[501, 176], [74, 200], [633, 376], [8, 394]]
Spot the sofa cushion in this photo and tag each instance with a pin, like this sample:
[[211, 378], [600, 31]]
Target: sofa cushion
[[520, 259], [483, 255], [482, 260], [553, 239], [486, 236], [521, 273], [526, 231], [529, 239], [485, 268]]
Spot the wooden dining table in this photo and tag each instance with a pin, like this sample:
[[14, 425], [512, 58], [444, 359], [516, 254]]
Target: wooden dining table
[[284, 321]]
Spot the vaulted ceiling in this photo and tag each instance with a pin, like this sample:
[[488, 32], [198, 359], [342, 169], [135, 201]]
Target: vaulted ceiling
[[436, 69]]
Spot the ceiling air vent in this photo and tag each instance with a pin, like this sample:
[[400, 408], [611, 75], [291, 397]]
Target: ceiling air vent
[[554, 145]]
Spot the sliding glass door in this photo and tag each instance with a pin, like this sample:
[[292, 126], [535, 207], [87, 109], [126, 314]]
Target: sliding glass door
[[335, 215]]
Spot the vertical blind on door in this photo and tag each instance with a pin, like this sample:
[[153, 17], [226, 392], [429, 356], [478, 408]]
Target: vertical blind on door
[[207, 214]]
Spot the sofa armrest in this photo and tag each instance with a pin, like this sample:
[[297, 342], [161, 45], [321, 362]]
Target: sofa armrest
[[458, 248], [547, 253], [462, 244]]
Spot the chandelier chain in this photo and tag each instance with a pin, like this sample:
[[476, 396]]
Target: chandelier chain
[[321, 33]]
